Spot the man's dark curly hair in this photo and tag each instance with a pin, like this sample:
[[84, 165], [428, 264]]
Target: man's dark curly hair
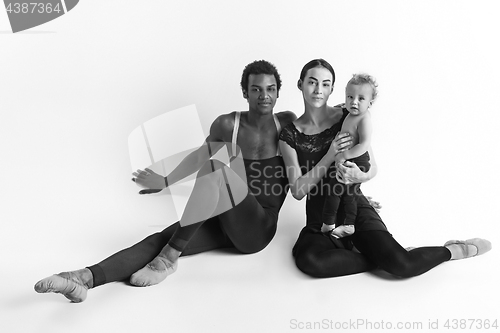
[[259, 67]]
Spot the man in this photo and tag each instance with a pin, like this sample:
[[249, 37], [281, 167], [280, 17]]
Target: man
[[224, 210]]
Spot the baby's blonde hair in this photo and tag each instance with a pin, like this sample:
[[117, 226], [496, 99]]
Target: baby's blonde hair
[[362, 78]]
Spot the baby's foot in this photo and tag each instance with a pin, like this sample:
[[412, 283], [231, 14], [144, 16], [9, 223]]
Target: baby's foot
[[154, 272], [329, 219], [67, 283], [327, 227], [343, 231], [467, 249]]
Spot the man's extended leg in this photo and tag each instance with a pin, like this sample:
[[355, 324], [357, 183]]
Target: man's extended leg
[[247, 225], [121, 265]]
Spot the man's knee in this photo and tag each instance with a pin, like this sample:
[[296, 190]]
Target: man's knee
[[253, 246]]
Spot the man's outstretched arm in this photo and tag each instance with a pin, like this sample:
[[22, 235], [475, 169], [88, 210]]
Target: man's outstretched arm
[[192, 163]]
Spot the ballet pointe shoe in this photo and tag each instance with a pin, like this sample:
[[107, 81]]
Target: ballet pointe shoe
[[65, 283], [468, 248], [154, 272]]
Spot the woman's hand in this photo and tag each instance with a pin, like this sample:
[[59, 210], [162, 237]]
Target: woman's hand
[[150, 180], [349, 173], [341, 143], [375, 204]]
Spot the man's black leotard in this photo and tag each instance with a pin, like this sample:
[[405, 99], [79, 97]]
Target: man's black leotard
[[248, 227]]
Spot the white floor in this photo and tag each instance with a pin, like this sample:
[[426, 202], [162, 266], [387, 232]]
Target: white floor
[[225, 292]]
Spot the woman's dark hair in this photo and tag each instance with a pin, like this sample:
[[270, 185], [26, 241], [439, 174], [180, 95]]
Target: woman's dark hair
[[259, 67], [317, 63]]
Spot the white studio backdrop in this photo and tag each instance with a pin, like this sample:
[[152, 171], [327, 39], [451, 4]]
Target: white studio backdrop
[[73, 89], [76, 87]]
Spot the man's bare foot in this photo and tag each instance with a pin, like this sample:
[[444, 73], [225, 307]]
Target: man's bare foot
[[154, 272], [73, 285]]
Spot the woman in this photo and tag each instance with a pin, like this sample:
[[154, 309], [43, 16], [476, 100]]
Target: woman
[[309, 145]]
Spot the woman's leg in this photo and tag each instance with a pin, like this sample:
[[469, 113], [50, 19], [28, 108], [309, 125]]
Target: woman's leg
[[382, 249], [320, 256]]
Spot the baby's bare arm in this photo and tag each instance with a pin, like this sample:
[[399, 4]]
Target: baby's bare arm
[[364, 135]]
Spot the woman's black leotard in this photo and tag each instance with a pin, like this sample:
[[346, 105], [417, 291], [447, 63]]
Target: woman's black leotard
[[320, 255]]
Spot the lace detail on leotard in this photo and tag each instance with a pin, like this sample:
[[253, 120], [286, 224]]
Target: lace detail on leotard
[[308, 143], [312, 143]]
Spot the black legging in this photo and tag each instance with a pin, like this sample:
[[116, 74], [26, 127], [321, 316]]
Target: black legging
[[248, 227], [121, 265], [317, 255]]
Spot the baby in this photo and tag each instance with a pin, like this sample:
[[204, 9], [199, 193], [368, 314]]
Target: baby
[[361, 91]]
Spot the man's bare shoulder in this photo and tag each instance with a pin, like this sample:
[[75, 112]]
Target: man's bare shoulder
[[222, 127], [224, 121], [286, 117]]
